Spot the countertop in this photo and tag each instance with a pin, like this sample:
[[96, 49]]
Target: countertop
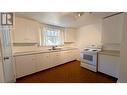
[[110, 52], [39, 51]]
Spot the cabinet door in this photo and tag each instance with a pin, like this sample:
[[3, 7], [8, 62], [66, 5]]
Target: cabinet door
[[43, 61], [32, 31], [72, 55], [55, 58], [25, 65], [63, 57], [70, 35], [67, 56], [108, 64], [20, 32], [112, 29], [26, 31]]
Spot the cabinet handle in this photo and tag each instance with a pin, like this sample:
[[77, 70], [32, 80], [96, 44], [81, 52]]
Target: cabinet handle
[[5, 58]]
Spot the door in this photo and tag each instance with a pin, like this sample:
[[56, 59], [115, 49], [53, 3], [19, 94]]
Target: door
[[1, 66], [8, 67]]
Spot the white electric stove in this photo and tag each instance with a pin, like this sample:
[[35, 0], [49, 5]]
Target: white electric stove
[[89, 57]]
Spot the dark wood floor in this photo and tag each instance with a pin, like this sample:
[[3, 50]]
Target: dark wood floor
[[67, 73]]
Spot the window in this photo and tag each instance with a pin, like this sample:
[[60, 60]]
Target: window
[[52, 35]]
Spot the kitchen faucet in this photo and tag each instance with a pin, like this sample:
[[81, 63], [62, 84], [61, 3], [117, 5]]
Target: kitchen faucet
[[54, 47]]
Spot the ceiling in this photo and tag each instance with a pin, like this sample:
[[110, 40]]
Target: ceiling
[[65, 19]]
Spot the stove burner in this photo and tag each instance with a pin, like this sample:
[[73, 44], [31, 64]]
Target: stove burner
[[86, 49], [94, 50]]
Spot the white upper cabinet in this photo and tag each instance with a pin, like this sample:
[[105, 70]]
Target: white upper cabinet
[[70, 35], [112, 29], [26, 31]]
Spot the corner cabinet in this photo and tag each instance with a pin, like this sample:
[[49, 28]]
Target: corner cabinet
[[26, 31], [108, 64], [69, 35], [112, 29]]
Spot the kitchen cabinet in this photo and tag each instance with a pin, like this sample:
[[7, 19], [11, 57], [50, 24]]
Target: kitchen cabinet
[[43, 61], [25, 65], [64, 56], [112, 29], [108, 64], [31, 63], [70, 35], [55, 58], [75, 54], [69, 55], [26, 31]]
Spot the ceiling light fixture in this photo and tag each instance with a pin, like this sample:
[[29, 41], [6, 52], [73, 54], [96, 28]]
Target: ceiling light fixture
[[78, 14]]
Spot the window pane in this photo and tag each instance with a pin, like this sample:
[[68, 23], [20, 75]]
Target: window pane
[[51, 36]]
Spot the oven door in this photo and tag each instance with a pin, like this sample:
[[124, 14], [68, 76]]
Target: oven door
[[88, 57]]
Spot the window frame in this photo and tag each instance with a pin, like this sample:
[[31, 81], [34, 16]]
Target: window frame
[[44, 36]]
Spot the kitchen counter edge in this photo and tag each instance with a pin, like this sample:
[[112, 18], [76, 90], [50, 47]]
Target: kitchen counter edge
[[38, 52], [110, 52]]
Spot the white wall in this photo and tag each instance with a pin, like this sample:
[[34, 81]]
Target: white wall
[[90, 34], [123, 53]]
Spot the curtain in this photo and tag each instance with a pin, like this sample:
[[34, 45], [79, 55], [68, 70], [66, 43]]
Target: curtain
[[52, 35]]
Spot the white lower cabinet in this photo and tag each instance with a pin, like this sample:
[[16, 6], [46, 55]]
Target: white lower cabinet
[[28, 64], [25, 65], [108, 64], [74, 54], [65, 56], [70, 55], [55, 58], [42, 61]]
